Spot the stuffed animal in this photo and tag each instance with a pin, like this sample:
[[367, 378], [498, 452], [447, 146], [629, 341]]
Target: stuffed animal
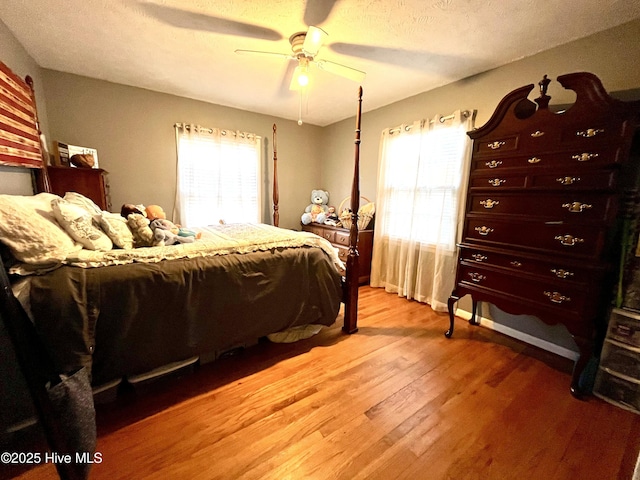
[[139, 226], [129, 208], [317, 209], [332, 217], [156, 211], [163, 233]]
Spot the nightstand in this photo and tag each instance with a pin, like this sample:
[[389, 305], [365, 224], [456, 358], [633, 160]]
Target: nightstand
[[339, 237]]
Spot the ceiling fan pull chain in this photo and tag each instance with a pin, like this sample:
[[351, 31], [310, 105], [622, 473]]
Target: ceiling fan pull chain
[[300, 107]]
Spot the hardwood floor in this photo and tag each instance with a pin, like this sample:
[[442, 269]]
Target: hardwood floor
[[397, 400]]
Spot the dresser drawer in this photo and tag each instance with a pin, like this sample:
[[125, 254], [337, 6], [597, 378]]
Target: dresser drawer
[[566, 239], [575, 207], [498, 181], [569, 298], [576, 157], [558, 269], [342, 238], [499, 144], [572, 179], [588, 134]]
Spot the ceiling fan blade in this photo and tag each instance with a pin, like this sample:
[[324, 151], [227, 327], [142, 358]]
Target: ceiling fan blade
[[270, 54], [313, 41], [317, 11], [208, 23], [285, 91], [342, 70]]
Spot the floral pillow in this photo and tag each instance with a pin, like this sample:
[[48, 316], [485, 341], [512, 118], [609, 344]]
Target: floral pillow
[[84, 202], [78, 223]]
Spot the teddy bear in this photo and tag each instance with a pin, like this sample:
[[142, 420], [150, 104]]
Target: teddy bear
[[163, 234], [317, 209], [139, 226], [154, 212]]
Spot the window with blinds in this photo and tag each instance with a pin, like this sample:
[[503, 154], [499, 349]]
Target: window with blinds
[[218, 177], [427, 197]]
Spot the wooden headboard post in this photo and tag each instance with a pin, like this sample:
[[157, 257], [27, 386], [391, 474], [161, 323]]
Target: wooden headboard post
[[40, 175], [353, 271], [276, 214], [20, 143]]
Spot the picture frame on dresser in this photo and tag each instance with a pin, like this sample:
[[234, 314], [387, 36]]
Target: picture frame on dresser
[[541, 232]]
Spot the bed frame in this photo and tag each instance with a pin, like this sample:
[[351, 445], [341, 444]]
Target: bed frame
[[20, 146]]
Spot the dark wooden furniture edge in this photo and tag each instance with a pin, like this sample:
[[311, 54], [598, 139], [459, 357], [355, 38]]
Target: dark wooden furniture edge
[[351, 283]]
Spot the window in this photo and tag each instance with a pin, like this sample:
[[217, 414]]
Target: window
[[218, 176], [422, 178], [420, 198]]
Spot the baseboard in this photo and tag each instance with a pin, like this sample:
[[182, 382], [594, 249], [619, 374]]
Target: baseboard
[[530, 339]]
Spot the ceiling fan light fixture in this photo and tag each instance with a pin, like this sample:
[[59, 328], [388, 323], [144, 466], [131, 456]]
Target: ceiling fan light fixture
[[301, 78]]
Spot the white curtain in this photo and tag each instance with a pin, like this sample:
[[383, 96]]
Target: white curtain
[[422, 182], [218, 176]]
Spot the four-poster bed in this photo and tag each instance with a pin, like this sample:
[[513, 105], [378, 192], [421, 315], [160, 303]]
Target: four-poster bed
[[99, 313]]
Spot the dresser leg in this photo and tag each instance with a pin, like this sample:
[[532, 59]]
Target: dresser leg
[[474, 309], [578, 388], [450, 305]]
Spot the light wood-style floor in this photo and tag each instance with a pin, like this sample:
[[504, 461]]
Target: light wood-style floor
[[397, 400]]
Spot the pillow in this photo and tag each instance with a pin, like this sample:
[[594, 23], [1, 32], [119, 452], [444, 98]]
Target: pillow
[[29, 228], [78, 223], [116, 228], [84, 202]]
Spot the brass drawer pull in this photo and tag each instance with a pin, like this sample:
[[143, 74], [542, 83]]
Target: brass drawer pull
[[495, 145], [557, 297], [561, 273], [516, 264], [488, 203], [534, 160], [493, 163], [568, 180], [476, 277], [576, 207], [496, 182], [589, 132], [537, 134], [569, 240], [478, 257], [584, 157], [484, 230]]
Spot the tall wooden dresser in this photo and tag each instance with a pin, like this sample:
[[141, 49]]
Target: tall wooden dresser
[[539, 232], [90, 182]]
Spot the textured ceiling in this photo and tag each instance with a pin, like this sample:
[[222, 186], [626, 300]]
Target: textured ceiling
[[406, 47]]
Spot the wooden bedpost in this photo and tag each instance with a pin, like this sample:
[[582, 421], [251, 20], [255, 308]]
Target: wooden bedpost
[[353, 271], [39, 177], [276, 197]]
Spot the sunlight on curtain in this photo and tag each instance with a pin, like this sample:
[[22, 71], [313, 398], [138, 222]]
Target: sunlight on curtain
[[421, 190], [218, 177]]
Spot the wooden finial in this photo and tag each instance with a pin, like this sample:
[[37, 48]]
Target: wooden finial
[[543, 99]]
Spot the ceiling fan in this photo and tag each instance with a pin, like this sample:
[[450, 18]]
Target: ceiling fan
[[305, 47]]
